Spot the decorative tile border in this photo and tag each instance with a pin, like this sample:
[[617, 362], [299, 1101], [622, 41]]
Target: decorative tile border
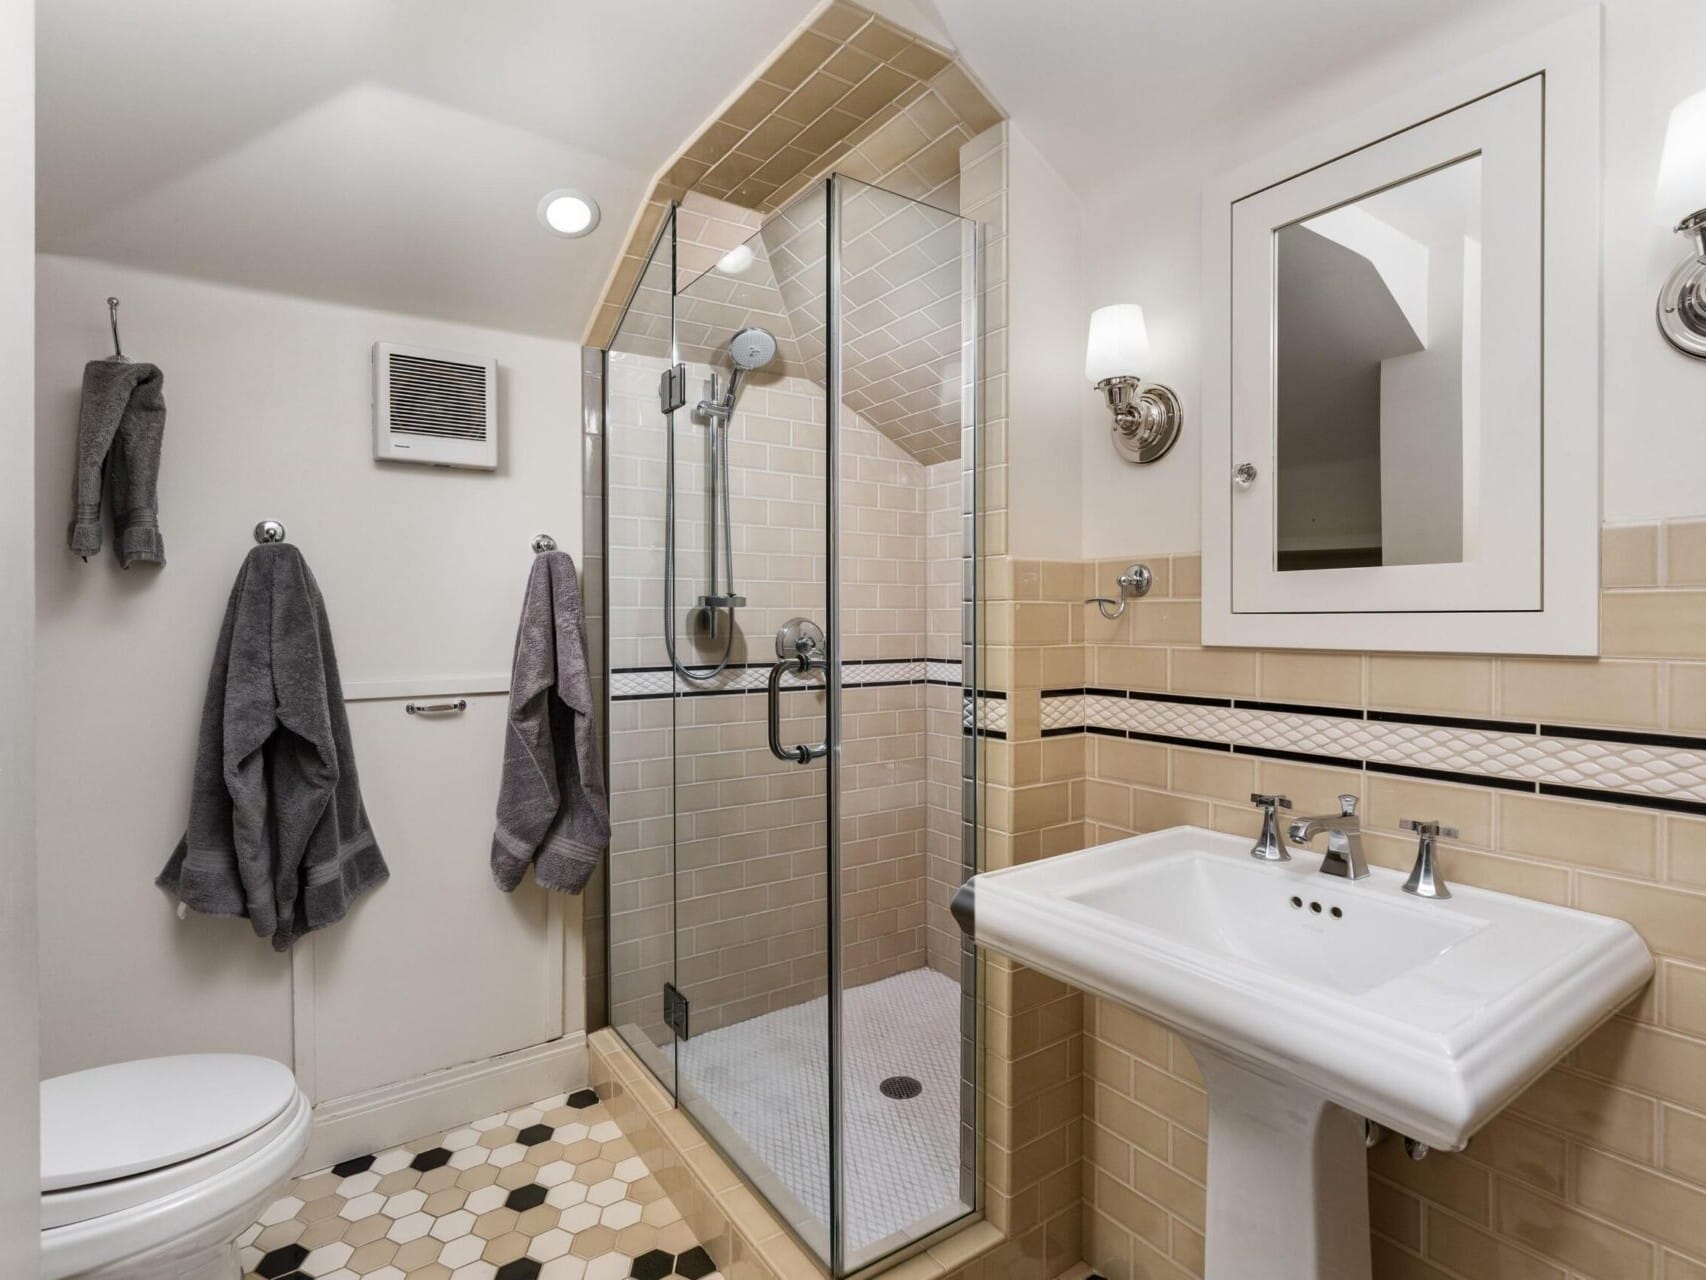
[[989, 719], [1652, 770], [628, 684]]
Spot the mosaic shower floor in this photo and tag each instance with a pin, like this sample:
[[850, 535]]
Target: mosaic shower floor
[[766, 1081], [551, 1191]]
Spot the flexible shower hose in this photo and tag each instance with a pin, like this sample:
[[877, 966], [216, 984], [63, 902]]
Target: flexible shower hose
[[701, 675]]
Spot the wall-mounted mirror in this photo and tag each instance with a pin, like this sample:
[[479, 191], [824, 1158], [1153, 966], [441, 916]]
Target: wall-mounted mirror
[[1402, 417], [1377, 418]]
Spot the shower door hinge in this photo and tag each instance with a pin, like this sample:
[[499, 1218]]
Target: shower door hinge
[[672, 388], [675, 1010]]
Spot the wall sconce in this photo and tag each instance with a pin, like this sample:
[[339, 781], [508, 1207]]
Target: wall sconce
[[1682, 188], [1146, 418]]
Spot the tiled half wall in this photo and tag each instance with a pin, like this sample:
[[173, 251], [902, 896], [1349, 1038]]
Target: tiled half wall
[[1576, 782]]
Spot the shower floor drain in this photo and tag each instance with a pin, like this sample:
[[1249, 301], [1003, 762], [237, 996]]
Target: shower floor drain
[[901, 1088]]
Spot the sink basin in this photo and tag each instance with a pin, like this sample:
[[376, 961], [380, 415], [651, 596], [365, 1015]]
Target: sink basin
[[1311, 1003]]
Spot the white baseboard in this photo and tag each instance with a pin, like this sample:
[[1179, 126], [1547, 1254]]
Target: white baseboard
[[396, 1113]]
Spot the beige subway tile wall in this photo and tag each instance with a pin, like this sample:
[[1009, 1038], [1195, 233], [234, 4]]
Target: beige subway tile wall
[[1596, 1171]]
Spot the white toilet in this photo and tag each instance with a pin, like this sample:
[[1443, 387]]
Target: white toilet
[[152, 1169]]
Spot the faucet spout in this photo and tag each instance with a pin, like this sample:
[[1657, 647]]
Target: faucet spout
[[1344, 839]]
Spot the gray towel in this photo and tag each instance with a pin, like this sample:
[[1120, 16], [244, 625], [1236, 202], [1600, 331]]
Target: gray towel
[[119, 433], [551, 807], [277, 829]]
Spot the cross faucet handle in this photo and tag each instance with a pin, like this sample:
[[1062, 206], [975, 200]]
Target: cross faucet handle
[[1430, 827], [1270, 802]]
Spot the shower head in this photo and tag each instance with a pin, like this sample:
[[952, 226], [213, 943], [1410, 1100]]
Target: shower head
[[752, 348]]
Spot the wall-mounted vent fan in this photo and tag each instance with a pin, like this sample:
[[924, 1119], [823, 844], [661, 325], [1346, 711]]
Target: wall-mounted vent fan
[[434, 406]]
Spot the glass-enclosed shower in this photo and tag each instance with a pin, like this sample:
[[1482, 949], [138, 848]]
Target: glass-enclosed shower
[[785, 482]]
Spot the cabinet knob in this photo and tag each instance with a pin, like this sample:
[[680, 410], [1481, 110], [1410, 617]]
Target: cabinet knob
[[1244, 474]]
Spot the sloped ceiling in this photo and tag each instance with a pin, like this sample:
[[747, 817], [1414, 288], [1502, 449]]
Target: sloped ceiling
[[1100, 86], [384, 153]]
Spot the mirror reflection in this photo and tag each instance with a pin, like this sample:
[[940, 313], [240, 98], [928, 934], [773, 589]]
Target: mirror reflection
[[1378, 395]]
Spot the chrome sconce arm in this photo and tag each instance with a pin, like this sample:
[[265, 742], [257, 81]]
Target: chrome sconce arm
[[1682, 301], [1147, 418]]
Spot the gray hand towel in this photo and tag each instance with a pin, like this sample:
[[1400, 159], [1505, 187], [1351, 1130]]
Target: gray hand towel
[[277, 829], [552, 812], [119, 434]]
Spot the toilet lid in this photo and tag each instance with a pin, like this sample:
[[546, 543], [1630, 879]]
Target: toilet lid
[[131, 1117]]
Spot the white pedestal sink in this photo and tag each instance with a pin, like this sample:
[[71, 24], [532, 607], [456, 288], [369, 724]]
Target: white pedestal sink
[[1312, 1002]]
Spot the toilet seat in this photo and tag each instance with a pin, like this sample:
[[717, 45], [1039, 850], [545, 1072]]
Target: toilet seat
[[78, 1204], [206, 1144], [116, 1121]]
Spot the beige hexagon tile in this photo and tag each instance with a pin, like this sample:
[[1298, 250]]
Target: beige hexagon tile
[[549, 1191]]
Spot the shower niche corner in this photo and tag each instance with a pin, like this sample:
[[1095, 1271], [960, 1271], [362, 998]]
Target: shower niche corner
[[787, 614]]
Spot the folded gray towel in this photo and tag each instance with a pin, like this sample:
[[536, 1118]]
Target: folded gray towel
[[552, 812], [277, 829], [119, 434]]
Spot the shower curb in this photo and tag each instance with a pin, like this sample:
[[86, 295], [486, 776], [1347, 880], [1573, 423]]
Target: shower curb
[[745, 1239]]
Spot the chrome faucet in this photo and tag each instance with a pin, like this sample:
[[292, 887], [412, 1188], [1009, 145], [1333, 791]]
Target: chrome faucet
[[1344, 839]]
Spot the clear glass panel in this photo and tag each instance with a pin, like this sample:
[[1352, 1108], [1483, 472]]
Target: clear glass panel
[[830, 1025], [1378, 388], [752, 855], [643, 715], [905, 340]]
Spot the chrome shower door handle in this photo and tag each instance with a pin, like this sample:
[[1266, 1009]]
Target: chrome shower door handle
[[798, 644], [805, 753]]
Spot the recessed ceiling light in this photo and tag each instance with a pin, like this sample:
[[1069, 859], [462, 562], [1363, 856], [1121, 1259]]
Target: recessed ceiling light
[[568, 213], [736, 260]]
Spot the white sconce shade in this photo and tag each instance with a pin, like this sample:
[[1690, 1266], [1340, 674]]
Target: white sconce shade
[[1119, 343], [1682, 171]]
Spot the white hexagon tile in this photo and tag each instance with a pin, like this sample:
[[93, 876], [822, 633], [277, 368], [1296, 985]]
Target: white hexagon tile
[[552, 1191]]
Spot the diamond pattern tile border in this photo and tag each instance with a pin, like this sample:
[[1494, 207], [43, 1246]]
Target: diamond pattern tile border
[[551, 1191], [1666, 770]]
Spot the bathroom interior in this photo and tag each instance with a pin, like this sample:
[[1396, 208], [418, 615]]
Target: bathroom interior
[[794, 641]]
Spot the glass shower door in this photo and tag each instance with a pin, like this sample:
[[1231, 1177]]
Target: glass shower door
[[792, 604], [643, 704], [753, 906]]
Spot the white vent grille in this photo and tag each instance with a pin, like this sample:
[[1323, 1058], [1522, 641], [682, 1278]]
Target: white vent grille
[[434, 407]]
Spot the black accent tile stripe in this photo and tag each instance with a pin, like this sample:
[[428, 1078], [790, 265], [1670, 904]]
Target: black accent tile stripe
[[1299, 709], [1064, 731], [1635, 798], [1639, 737], [1451, 775], [1455, 722], [1188, 699], [1197, 744], [1299, 757]]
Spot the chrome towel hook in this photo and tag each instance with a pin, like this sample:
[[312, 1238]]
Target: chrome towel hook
[[269, 531], [112, 317], [543, 542], [1134, 584]]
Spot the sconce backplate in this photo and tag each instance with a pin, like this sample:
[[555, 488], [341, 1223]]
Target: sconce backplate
[[1146, 421], [1682, 314], [1682, 301]]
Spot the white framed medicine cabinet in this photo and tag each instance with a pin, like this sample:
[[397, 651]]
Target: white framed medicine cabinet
[[1401, 397]]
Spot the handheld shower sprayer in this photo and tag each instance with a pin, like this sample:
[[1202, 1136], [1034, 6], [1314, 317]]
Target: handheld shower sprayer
[[751, 348]]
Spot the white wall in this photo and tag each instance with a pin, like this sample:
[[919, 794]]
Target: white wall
[[1045, 351], [20, 1169], [1142, 233], [268, 416]]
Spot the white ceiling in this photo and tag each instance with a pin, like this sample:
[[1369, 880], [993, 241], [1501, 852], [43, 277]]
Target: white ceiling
[[1099, 86], [390, 153], [385, 153]]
